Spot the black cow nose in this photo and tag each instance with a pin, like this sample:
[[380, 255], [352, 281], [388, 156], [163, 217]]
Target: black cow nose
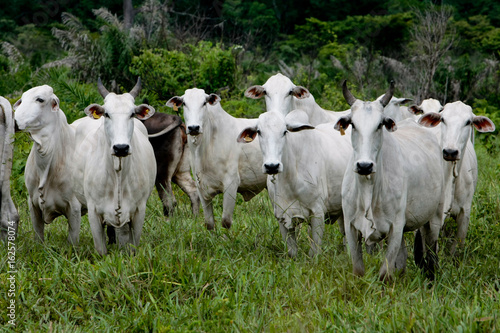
[[450, 154], [271, 168], [121, 150], [364, 168], [194, 129]]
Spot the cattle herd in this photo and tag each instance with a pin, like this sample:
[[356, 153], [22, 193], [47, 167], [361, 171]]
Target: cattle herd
[[380, 169]]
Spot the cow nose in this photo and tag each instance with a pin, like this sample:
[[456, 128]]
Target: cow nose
[[450, 154], [121, 150], [194, 129], [364, 168], [271, 168]]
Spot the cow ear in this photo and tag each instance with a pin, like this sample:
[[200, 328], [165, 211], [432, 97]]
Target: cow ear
[[343, 123], [247, 135], [431, 119], [403, 100], [213, 99], [175, 102], [415, 109], [55, 103], [483, 124], [94, 111], [298, 127], [144, 111], [389, 124], [16, 105], [255, 92], [300, 92]]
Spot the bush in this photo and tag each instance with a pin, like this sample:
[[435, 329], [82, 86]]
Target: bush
[[167, 73]]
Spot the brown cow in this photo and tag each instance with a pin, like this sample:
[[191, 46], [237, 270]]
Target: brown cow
[[167, 135]]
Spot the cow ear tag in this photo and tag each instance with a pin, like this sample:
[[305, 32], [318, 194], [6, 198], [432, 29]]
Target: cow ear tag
[[176, 108], [342, 132], [95, 115], [248, 138]]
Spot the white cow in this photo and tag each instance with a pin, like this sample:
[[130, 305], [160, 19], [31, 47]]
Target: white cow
[[219, 164], [394, 183], [305, 172], [115, 166], [48, 173], [9, 217], [457, 121], [283, 96], [395, 110]]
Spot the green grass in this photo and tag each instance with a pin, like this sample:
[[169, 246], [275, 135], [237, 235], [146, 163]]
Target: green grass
[[184, 278]]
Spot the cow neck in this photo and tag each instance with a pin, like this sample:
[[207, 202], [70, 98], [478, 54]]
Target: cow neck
[[52, 144], [216, 118], [370, 191]]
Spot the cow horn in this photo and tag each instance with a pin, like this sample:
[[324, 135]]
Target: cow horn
[[135, 91], [103, 91], [350, 99], [388, 95]]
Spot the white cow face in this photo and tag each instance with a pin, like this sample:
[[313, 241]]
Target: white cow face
[[272, 129], [367, 120], [279, 91], [427, 106], [118, 112], [456, 120], [195, 108], [36, 108]]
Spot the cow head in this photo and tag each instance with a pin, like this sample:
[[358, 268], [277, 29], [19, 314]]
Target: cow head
[[36, 108], [278, 91], [456, 120], [195, 108], [118, 113], [367, 120], [272, 129], [427, 106]]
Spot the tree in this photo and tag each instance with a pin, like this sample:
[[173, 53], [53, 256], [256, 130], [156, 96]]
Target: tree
[[430, 42]]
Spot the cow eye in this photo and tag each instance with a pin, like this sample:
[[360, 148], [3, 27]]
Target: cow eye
[[468, 122], [284, 133], [132, 115], [258, 132], [40, 100], [106, 115], [380, 125]]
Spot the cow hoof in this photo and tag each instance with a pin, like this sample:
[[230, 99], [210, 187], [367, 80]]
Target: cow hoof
[[226, 223]]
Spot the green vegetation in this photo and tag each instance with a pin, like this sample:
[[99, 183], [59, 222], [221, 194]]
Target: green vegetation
[[184, 278]]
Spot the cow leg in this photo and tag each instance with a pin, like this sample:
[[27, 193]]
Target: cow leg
[[462, 219], [430, 233], [97, 229], [289, 237], [74, 222], [208, 212], [402, 257], [316, 231], [37, 221], [228, 204], [356, 248], [393, 248], [419, 249], [136, 226], [167, 198], [124, 237], [187, 185]]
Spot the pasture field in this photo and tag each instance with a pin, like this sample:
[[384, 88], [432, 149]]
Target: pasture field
[[184, 278]]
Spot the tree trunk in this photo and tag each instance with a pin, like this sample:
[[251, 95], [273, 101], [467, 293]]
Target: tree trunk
[[128, 14]]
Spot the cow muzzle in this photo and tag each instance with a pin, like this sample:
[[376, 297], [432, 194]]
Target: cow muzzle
[[194, 130], [451, 155], [272, 168], [121, 150], [364, 168]]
